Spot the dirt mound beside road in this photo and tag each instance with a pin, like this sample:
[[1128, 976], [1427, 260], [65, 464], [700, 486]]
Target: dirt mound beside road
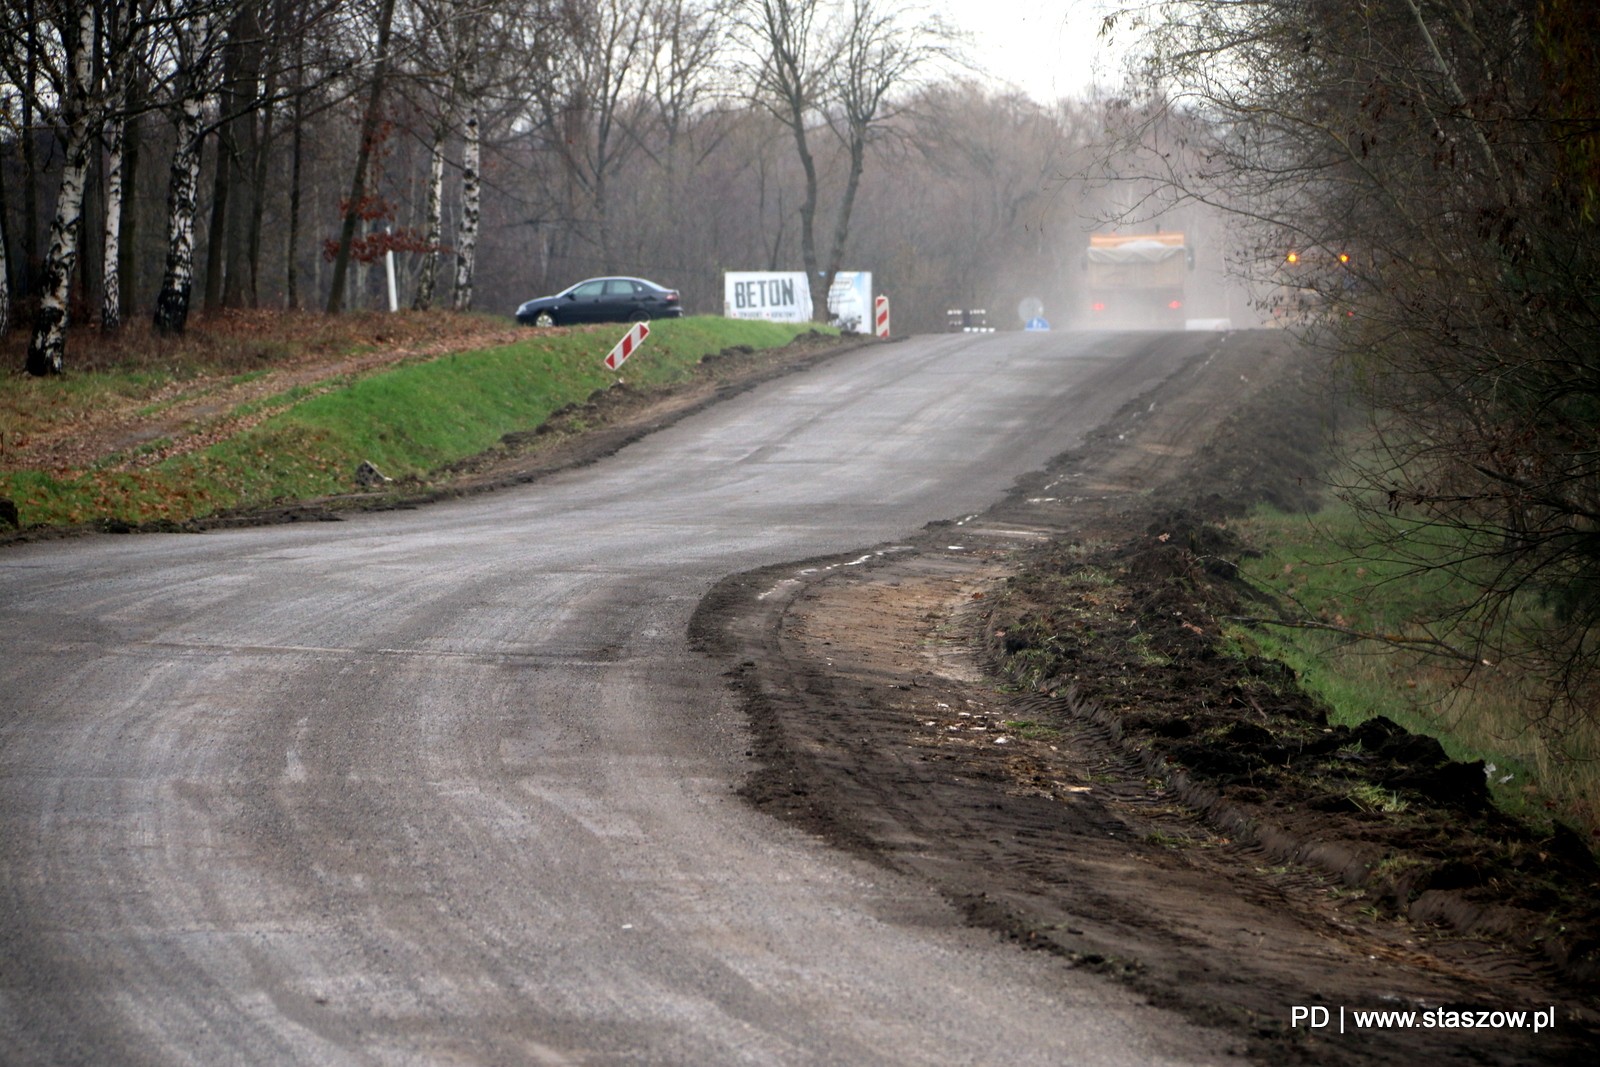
[[1100, 805]]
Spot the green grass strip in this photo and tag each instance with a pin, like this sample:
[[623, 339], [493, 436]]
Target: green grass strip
[[408, 421], [1308, 561]]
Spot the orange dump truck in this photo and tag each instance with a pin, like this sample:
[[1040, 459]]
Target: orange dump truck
[[1137, 281]]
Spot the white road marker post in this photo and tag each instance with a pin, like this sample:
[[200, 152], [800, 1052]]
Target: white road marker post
[[882, 317], [630, 341], [388, 266]]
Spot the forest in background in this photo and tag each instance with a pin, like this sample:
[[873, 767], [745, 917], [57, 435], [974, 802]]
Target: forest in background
[[238, 150]]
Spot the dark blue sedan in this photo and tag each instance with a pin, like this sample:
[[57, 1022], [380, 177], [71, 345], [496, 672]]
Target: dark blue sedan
[[603, 300]]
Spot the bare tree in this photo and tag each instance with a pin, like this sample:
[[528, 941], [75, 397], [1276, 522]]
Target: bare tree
[[593, 106], [190, 49], [433, 214], [358, 182], [471, 209], [789, 79], [437, 55], [810, 72], [122, 36], [5, 274], [73, 28], [27, 36], [241, 62], [878, 53], [686, 41], [669, 171], [461, 50]]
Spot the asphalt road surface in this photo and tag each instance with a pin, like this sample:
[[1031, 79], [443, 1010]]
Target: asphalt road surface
[[448, 787]]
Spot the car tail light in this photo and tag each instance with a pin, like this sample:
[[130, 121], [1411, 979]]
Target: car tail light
[[1099, 307], [672, 294]]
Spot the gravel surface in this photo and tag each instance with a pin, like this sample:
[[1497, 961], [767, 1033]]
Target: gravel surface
[[449, 786], [885, 724]]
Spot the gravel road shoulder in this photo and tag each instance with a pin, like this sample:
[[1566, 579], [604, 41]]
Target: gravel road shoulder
[[881, 725]]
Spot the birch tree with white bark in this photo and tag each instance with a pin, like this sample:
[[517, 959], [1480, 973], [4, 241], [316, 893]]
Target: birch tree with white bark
[[433, 217], [192, 46], [73, 27], [121, 48], [437, 56], [484, 48], [471, 207]]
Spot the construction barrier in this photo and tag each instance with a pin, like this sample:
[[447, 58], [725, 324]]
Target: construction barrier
[[630, 341]]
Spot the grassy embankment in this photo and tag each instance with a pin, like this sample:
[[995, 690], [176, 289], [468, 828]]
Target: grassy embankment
[[410, 420], [1308, 560]]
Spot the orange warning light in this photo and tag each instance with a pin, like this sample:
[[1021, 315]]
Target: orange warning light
[[1294, 257], [1343, 258]]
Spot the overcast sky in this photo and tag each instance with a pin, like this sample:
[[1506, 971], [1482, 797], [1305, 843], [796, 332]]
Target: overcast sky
[[1048, 48]]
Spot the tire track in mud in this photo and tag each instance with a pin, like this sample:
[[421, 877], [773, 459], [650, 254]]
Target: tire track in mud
[[875, 727]]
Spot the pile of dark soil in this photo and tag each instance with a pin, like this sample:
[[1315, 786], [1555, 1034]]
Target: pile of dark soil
[[1127, 789], [1129, 631], [1122, 617]]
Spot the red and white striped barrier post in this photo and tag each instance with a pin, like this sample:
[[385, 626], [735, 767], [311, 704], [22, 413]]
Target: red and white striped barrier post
[[882, 317], [630, 340]]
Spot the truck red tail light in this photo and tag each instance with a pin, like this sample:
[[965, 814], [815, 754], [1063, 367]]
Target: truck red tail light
[[1176, 304], [1099, 307]]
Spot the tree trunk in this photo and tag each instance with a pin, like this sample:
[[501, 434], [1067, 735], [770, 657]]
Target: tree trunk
[[127, 260], [27, 282], [246, 159], [841, 229], [217, 232], [258, 201], [5, 270], [467, 239], [172, 303], [292, 281], [226, 166], [808, 219], [111, 310], [602, 214], [91, 212], [120, 55], [47, 347], [358, 184], [423, 299], [236, 255]]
